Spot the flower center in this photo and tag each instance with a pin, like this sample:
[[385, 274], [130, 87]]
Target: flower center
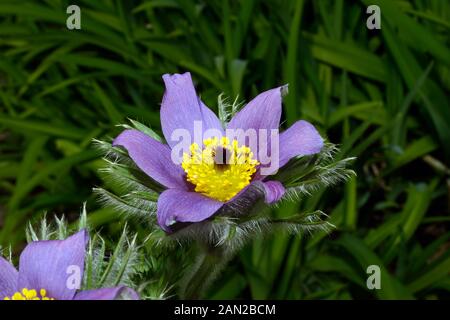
[[26, 294], [221, 169]]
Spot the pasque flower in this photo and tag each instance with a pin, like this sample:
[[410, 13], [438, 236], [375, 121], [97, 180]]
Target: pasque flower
[[45, 269], [217, 170]]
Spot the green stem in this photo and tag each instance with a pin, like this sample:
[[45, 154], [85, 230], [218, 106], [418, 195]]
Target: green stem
[[203, 272]]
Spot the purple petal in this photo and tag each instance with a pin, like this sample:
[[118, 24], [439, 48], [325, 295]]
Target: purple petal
[[182, 206], [300, 139], [263, 112], [181, 107], [116, 293], [152, 157], [8, 279], [212, 127], [244, 202], [55, 265], [273, 190]]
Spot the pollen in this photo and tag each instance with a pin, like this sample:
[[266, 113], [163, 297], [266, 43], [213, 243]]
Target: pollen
[[219, 169], [27, 294]]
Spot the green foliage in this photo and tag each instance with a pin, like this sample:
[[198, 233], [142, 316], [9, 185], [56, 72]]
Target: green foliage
[[380, 95]]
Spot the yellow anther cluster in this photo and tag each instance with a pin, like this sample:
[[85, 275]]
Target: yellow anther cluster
[[26, 294], [220, 169]]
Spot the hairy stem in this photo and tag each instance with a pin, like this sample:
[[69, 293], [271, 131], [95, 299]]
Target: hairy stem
[[210, 261]]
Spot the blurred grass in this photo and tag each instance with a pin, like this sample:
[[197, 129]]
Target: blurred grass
[[381, 94]]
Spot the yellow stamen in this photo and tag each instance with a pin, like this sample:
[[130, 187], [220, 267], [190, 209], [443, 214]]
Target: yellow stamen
[[27, 294], [221, 169]]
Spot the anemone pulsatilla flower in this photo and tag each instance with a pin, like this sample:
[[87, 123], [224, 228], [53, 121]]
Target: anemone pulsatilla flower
[[53, 270], [217, 168]]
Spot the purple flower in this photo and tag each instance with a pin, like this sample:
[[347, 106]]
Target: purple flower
[[221, 167], [53, 270]]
